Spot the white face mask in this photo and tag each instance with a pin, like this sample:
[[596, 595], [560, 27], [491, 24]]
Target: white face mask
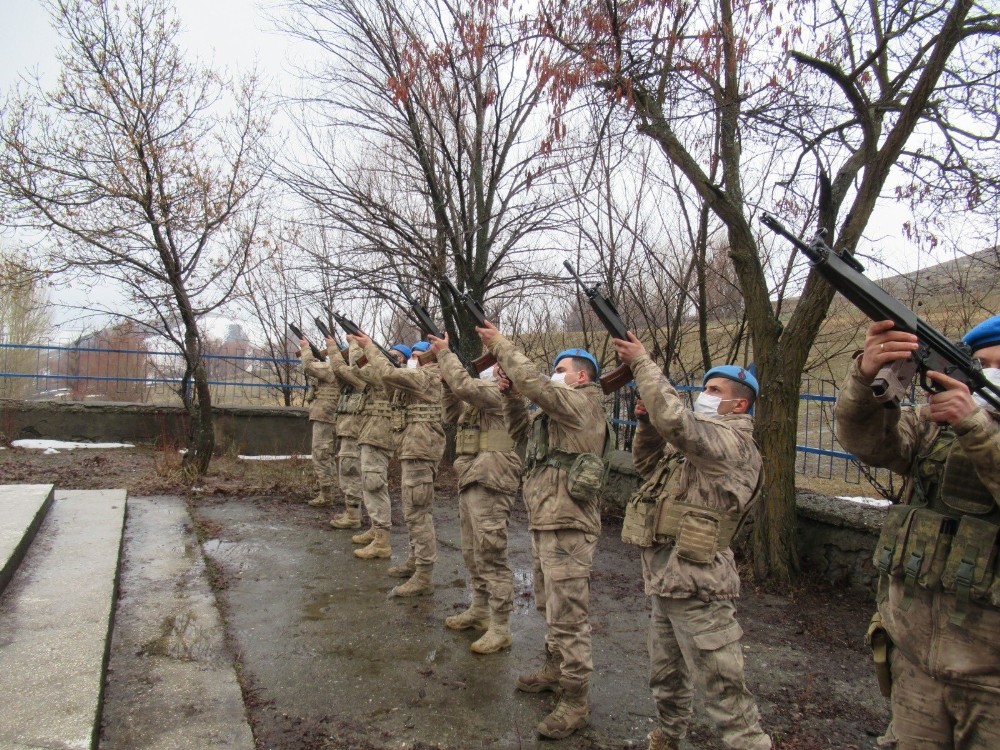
[[707, 404], [487, 374], [992, 374], [559, 378], [412, 364]]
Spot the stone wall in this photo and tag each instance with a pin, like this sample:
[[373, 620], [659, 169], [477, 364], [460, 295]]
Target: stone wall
[[836, 537], [247, 430]]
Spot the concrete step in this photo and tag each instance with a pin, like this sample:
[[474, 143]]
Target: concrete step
[[22, 508], [171, 680], [55, 624]]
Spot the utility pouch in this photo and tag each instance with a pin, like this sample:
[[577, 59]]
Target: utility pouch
[[397, 418], [889, 550], [467, 440], [349, 403], [586, 477], [877, 639], [970, 570], [640, 521], [697, 537]]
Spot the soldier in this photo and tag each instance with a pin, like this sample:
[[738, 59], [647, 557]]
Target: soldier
[[702, 472], [938, 619], [377, 442], [563, 474], [348, 425], [323, 415], [416, 413], [489, 475]]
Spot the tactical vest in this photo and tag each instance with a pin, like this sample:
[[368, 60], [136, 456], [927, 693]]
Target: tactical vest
[[350, 400], [655, 514], [586, 473], [372, 406], [403, 414], [471, 439], [945, 538]]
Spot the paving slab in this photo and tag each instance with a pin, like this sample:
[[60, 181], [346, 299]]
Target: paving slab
[[22, 508], [173, 685], [55, 624]]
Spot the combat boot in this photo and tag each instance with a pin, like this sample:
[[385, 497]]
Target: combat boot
[[476, 617], [379, 548], [659, 741], [405, 569], [572, 712], [324, 498], [546, 678], [365, 537], [349, 519], [419, 584], [497, 638]]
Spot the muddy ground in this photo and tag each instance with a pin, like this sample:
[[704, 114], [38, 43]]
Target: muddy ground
[[326, 661]]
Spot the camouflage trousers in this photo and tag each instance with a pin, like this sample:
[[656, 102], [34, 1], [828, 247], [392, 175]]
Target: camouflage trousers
[[375, 485], [418, 504], [484, 515], [324, 453], [928, 714], [349, 463], [692, 642], [562, 559]]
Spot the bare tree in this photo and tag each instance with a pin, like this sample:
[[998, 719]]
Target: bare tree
[[438, 162], [24, 319], [862, 79], [143, 171]]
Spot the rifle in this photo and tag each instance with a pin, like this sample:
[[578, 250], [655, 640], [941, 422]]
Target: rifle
[[425, 323], [935, 351], [485, 360], [297, 332], [605, 311], [328, 334], [353, 329]]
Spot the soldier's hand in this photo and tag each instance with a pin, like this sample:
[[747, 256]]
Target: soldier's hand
[[361, 340], [883, 346], [438, 345], [640, 411], [953, 404], [331, 344], [503, 382], [487, 332], [628, 350]]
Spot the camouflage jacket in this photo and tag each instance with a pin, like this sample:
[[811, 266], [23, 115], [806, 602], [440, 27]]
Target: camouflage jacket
[[375, 428], [719, 470], [893, 438], [349, 405], [418, 392], [324, 406], [576, 424], [469, 401]]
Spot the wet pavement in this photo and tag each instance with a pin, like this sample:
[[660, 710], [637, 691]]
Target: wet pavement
[[328, 661]]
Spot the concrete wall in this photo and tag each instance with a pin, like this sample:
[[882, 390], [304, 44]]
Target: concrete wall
[[246, 430], [836, 537]]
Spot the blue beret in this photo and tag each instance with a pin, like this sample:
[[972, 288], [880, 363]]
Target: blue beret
[[985, 334], [403, 349], [732, 372], [581, 353], [421, 346]]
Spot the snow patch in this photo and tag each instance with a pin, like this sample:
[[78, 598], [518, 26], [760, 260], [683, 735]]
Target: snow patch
[[875, 502], [274, 458], [54, 446]]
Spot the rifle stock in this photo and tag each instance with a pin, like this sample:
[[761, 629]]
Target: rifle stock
[[616, 378]]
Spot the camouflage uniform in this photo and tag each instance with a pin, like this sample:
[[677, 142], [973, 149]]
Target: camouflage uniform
[[376, 442], [323, 415], [710, 462], [416, 405], [564, 532], [348, 425], [489, 474], [942, 622]]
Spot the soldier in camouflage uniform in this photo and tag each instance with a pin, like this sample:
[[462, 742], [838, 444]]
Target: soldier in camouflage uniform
[[702, 472], [935, 636], [569, 428], [489, 475], [376, 442], [323, 415], [415, 398], [348, 424]]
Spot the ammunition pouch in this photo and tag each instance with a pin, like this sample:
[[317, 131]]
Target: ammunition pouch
[[586, 473], [643, 508], [467, 440], [877, 639], [349, 402], [471, 440], [698, 532], [397, 417]]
